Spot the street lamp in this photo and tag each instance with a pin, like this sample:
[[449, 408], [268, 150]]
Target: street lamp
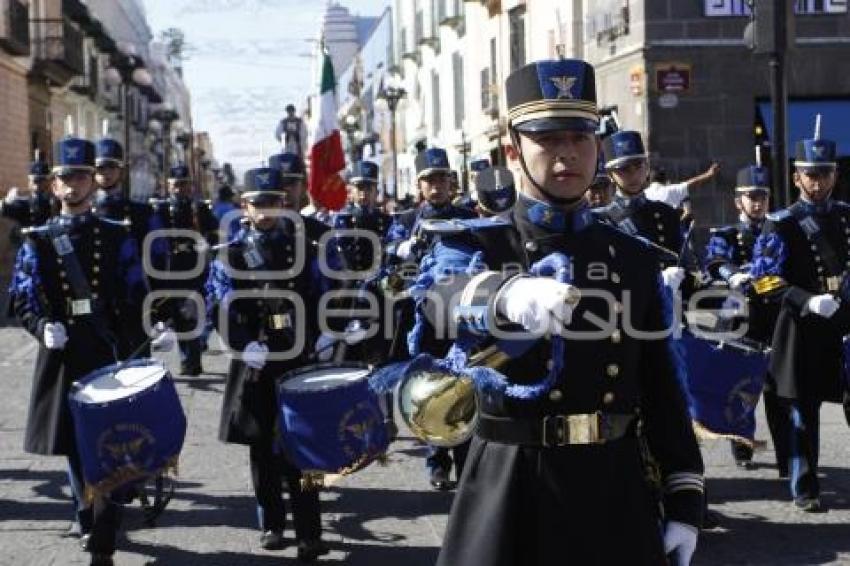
[[351, 125], [166, 115], [127, 69], [391, 93]]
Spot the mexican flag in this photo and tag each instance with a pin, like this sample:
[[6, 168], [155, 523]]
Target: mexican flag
[[326, 156]]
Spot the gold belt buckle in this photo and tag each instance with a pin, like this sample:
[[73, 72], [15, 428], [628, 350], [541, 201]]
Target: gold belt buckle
[[280, 321], [583, 429], [833, 283], [80, 307]]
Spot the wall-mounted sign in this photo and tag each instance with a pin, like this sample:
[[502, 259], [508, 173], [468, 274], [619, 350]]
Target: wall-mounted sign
[[722, 8], [673, 77], [636, 80], [668, 100]]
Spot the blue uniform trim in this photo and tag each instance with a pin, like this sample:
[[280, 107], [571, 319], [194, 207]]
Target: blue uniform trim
[[675, 348], [26, 279], [718, 247], [769, 256], [131, 268]]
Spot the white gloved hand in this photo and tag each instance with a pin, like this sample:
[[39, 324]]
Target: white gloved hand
[[162, 339], [355, 333], [55, 335], [680, 541], [737, 280], [673, 277], [255, 355], [405, 249], [324, 347], [12, 194], [822, 305], [538, 304]]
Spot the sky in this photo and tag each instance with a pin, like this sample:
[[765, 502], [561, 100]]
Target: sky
[[247, 59]]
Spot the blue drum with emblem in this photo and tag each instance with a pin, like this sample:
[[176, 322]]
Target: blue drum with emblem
[[330, 419], [724, 383], [129, 424]]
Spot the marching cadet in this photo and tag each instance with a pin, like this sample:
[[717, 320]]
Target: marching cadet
[[34, 208], [181, 211], [433, 178], [627, 163], [75, 280], [728, 259], [112, 202], [257, 327], [555, 469], [496, 192], [801, 260]]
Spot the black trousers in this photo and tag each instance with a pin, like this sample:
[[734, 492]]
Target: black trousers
[[804, 416], [101, 520], [776, 413], [443, 458], [268, 470]]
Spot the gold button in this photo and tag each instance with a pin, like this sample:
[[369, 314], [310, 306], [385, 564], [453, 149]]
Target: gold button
[[70, 322], [95, 268], [661, 227], [555, 395], [657, 215], [817, 258], [618, 307], [615, 277], [59, 260], [814, 248], [616, 337], [608, 398], [613, 370], [549, 364], [612, 251], [259, 303], [62, 274], [96, 230], [65, 286], [97, 242], [94, 295], [94, 282], [96, 255], [820, 269]]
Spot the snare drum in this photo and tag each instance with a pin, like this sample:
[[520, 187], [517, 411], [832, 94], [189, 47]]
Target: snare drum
[[330, 418], [128, 422]]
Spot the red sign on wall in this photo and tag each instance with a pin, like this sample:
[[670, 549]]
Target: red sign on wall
[[673, 78]]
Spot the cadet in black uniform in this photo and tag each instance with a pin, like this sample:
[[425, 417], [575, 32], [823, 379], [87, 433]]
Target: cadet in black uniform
[[627, 163], [256, 327], [433, 178], [601, 191], [555, 471], [183, 212], [728, 260], [34, 208], [75, 281], [801, 261]]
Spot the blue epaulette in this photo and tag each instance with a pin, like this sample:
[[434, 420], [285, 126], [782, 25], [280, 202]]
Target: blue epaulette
[[457, 226], [723, 231]]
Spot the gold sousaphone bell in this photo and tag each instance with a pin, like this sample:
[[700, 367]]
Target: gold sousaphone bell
[[441, 408]]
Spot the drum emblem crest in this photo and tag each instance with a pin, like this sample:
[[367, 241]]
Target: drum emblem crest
[[357, 428], [126, 445]]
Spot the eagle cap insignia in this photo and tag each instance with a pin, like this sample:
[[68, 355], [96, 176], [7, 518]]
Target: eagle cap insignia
[[565, 86], [72, 151], [624, 145], [819, 150], [263, 178]]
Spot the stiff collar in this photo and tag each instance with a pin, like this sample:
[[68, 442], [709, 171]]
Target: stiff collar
[[818, 209], [630, 202], [551, 218], [72, 221]]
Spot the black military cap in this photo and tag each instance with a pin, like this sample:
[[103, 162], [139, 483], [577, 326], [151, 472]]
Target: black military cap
[[551, 95], [496, 190], [753, 179]]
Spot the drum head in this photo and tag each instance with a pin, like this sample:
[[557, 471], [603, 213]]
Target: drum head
[[125, 382], [324, 377]]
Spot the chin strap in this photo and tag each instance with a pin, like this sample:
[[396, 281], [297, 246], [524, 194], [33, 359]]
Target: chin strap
[[561, 201]]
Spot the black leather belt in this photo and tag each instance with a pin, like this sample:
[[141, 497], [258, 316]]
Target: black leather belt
[[556, 430]]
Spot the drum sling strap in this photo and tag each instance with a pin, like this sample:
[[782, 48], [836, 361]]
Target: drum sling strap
[[832, 265]]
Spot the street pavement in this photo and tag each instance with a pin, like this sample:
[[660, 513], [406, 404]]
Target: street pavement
[[386, 515]]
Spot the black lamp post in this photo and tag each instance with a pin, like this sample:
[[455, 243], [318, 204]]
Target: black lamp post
[[392, 93], [127, 69]]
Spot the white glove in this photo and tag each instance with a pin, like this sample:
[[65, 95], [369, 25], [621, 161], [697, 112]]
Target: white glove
[[538, 304], [680, 540], [255, 355], [822, 305], [737, 280], [673, 277], [55, 336], [405, 248], [12, 194], [355, 333], [163, 338], [324, 347]]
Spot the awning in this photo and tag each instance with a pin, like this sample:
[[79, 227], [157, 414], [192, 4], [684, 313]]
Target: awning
[[835, 117]]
